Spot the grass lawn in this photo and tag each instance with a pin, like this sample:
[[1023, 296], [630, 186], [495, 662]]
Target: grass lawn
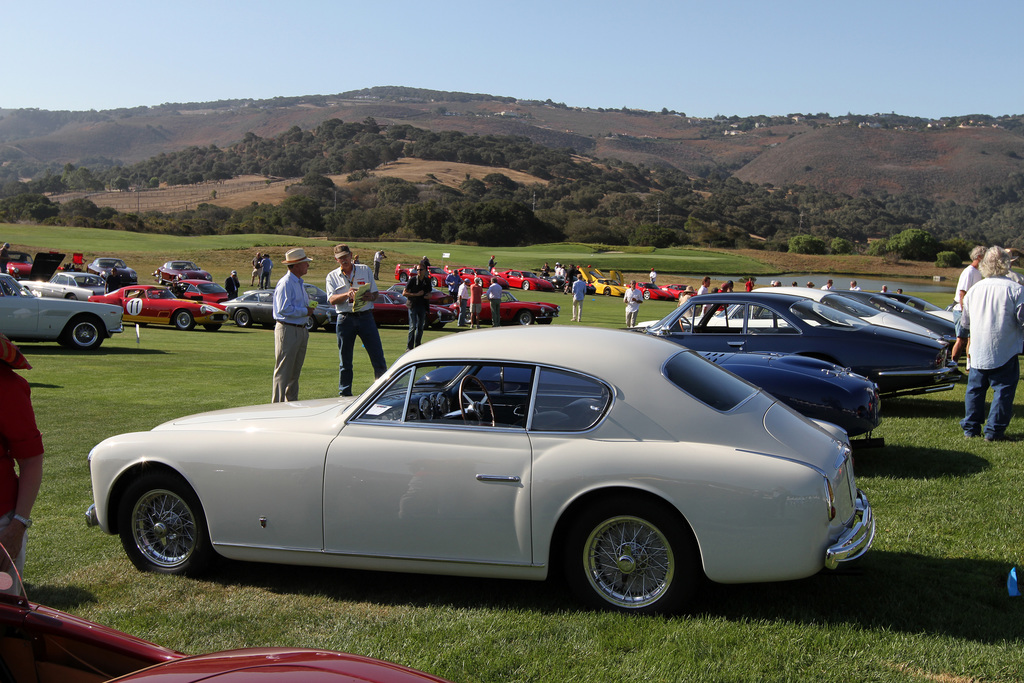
[[929, 602]]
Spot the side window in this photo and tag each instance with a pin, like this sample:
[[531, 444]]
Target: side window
[[568, 402], [721, 319], [763, 320]]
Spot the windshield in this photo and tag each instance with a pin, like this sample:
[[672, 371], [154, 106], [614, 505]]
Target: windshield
[[212, 288], [161, 294]]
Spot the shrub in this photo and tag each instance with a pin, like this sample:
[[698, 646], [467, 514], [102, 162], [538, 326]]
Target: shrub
[[806, 244], [947, 259]]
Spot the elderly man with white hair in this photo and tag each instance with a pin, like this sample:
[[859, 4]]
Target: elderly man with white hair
[[994, 316]]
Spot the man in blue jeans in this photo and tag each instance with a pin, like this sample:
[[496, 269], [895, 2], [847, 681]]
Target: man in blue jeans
[[355, 315], [993, 313]]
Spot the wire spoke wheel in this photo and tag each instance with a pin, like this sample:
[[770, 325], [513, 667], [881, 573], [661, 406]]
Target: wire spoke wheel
[[164, 528], [629, 562]]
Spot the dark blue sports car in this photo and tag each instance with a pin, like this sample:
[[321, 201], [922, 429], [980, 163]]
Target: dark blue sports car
[[898, 362], [814, 388]]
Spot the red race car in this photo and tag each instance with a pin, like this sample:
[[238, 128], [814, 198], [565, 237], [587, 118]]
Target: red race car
[[19, 264], [404, 272], [654, 292], [38, 640], [525, 280], [150, 304], [468, 273], [676, 290]]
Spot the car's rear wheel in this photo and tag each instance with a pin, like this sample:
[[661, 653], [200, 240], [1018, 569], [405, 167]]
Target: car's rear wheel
[[83, 332], [71, 295], [183, 320], [607, 291], [162, 526], [633, 555], [524, 317], [403, 277], [526, 285], [310, 323], [243, 318]]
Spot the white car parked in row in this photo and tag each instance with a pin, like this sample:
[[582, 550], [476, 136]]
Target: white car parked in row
[[75, 324], [506, 454]]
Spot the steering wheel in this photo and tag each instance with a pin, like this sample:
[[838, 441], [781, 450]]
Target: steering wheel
[[466, 403]]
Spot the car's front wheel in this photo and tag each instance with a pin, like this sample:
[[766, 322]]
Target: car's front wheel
[[607, 291], [633, 555], [83, 332], [183, 320], [71, 295], [524, 317], [526, 285], [162, 526], [647, 294]]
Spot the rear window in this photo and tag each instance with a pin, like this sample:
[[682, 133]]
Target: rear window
[[707, 382]]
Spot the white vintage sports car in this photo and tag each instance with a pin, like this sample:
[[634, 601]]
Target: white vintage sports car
[[76, 325], [633, 465]]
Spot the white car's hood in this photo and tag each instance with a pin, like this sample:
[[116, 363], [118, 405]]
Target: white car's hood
[[319, 411]]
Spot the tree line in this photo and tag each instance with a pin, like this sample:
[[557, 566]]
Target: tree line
[[578, 199]]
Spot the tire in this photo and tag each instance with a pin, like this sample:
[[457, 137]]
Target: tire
[[607, 291], [526, 286], [162, 526], [403, 277], [647, 294], [524, 317], [82, 333], [243, 318], [70, 295], [212, 328], [310, 323], [634, 555], [183, 320]]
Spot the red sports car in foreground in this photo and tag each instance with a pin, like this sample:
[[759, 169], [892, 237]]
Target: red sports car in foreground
[[390, 309], [516, 312], [158, 306], [525, 280], [38, 643]]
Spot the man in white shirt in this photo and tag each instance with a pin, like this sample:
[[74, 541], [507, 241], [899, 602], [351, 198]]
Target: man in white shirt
[[292, 309], [633, 298], [705, 284], [355, 315], [968, 278], [827, 286], [377, 258], [463, 304], [494, 301], [994, 308], [654, 277], [853, 286]]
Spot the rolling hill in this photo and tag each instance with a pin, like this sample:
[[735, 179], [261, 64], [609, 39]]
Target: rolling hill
[[834, 154]]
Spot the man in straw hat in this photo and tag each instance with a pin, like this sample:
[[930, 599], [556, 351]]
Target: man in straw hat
[[21, 442], [292, 309], [355, 315]]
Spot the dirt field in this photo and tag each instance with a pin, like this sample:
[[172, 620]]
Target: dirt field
[[244, 190]]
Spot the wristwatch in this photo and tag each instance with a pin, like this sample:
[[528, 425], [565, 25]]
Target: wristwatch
[[24, 520]]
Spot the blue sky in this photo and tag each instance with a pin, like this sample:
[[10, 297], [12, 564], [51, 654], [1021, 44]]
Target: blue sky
[[703, 58]]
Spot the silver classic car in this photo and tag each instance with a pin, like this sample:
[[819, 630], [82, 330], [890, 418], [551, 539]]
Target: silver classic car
[[503, 453], [75, 324]]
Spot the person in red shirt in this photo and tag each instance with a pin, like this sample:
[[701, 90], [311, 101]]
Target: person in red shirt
[[476, 302], [21, 443]]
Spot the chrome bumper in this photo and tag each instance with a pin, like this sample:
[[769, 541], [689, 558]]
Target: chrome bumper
[[856, 540], [90, 516]]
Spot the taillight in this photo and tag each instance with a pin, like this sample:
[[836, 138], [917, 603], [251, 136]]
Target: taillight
[[830, 499]]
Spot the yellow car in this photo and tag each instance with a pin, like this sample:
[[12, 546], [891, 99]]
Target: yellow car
[[609, 285]]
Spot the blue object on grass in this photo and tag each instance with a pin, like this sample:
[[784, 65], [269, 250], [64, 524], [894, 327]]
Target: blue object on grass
[[1011, 583]]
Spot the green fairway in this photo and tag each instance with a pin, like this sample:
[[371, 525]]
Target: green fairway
[[929, 602]]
